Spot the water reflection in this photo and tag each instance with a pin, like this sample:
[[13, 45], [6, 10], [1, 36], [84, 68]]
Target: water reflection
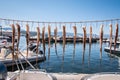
[[63, 53], [73, 55], [56, 52], [89, 54], [48, 54], [79, 59], [119, 63], [101, 54], [83, 55]]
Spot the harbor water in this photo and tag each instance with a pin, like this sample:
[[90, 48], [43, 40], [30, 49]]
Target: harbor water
[[78, 60]]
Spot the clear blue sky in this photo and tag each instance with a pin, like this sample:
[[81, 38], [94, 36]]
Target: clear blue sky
[[60, 10]]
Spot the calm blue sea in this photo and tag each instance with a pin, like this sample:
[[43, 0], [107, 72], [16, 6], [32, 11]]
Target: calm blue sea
[[78, 60]]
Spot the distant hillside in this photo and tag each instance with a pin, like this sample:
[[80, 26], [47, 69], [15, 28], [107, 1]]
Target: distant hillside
[[23, 32], [69, 34]]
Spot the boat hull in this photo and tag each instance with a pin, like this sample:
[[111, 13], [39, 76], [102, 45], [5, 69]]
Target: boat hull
[[116, 51]]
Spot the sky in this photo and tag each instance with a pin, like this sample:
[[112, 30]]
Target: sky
[[60, 10]]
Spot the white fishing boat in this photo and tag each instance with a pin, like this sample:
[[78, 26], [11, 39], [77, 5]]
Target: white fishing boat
[[112, 50], [3, 42], [33, 74], [5, 39], [10, 55], [6, 56], [30, 75]]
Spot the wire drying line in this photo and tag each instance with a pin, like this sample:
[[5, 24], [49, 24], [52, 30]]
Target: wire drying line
[[15, 20]]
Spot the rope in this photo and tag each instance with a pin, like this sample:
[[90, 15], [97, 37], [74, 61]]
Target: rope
[[14, 20], [27, 60]]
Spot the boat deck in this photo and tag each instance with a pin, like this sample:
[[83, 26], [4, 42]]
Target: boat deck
[[10, 62], [32, 57], [56, 76], [68, 76], [65, 76]]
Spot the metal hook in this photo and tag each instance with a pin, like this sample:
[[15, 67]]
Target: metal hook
[[32, 24], [43, 24], [13, 21], [21, 24], [27, 22], [75, 24], [0, 21], [117, 21], [38, 24], [55, 24], [70, 25], [60, 25]]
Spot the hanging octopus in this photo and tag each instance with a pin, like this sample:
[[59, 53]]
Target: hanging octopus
[[55, 34], [84, 42], [116, 36], [38, 42], [38, 39], [90, 38], [18, 37], [27, 37], [84, 37], [101, 37], [110, 37], [49, 35], [90, 41], [13, 39], [64, 36], [75, 34], [43, 39]]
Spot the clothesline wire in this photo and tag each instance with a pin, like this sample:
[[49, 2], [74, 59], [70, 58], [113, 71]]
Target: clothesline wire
[[59, 22]]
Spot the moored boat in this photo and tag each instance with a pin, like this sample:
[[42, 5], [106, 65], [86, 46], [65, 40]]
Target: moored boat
[[103, 76], [112, 50]]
